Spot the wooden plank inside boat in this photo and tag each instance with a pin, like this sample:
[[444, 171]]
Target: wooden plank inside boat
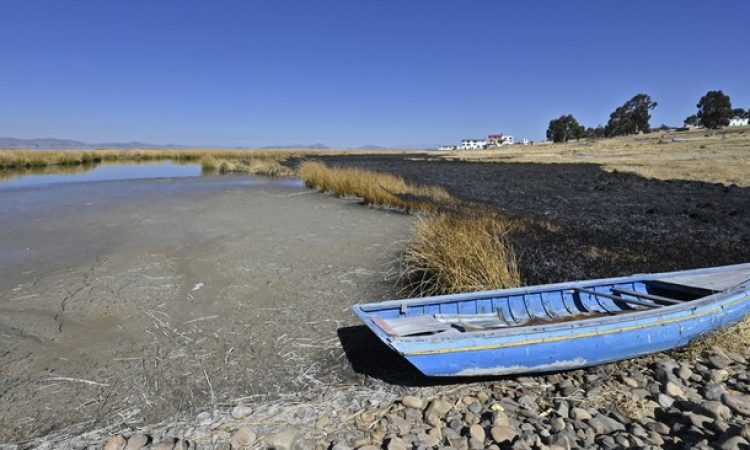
[[718, 281]]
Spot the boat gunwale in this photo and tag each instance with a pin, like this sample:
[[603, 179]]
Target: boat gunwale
[[714, 299]]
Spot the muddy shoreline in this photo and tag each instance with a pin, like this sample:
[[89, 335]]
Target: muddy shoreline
[[141, 300]]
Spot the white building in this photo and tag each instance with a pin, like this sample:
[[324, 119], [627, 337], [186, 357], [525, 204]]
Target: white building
[[738, 121], [525, 142], [473, 144], [507, 140], [446, 148]]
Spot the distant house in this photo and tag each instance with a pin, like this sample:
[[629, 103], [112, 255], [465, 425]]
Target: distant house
[[738, 121], [525, 142], [473, 144], [498, 140], [447, 148]]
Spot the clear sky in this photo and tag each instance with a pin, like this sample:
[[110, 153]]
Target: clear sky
[[354, 72]]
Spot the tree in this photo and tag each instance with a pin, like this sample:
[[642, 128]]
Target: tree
[[594, 133], [563, 128], [693, 120], [632, 117], [715, 109]]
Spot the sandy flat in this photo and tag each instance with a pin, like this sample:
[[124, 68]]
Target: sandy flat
[[141, 299]]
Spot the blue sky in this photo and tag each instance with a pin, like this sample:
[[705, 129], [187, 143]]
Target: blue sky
[[348, 73]]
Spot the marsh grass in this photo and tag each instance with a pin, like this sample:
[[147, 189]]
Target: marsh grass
[[373, 188], [734, 339], [257, 166], [452, 253], [457, 247]]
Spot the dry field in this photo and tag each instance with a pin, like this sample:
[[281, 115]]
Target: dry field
[[716, 156]]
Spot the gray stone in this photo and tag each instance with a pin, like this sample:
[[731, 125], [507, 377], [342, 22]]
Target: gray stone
[[500, 418], [718, 376], [673, 389], [664, 401], [737, 402], [243, 437], [116, 442], [630, 382], [501, 434], [719, 361], [557, 424], [241, 411], [475, 407], [475, 444], [166, 444], [137, 441], [658, 427], [580, 414], [717, 409], [527, 402], [182, 444], [684, 372], [713, 391], [605, 425], [283, 440], [396, 444], [411, 401], [477, 432], [562, 409], [436, 411], [734, 443], [340, 446]]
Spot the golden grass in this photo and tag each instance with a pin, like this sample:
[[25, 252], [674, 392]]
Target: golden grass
[[452, 253], [721, 156], [374, 188], [258, 166], [10, 159], [734, 339]]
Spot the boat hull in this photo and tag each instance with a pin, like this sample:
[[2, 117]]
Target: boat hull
[[563, 346]]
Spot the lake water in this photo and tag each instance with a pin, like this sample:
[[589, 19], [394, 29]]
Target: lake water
[[103, 172]]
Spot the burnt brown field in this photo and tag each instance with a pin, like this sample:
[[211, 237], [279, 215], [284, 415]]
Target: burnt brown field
[[605, 223]]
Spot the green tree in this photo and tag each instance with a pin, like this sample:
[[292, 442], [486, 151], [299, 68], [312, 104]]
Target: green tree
[[693, 120], [739, 112], [594, 133], [715, 109], [564, 128], [632, 117]]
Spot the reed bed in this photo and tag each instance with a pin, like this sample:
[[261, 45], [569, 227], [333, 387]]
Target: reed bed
[[452, 253], [457, 247], [257, 166], [373, 188]]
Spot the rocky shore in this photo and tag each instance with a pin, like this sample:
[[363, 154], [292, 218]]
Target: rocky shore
[[680, 400]]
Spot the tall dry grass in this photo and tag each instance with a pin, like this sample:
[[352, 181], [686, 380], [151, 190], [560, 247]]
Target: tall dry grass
[[452, 253], [257, 166], [374, 188], [465, 249]]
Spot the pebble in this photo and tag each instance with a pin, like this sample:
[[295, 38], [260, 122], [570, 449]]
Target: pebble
[[501, 434], [411, 401], [282, 440], [738, 403], [117, 442], [137, 441], [241, 411], [243, 437], [436, 411], [477, 432], [580, 414], [673, 389]]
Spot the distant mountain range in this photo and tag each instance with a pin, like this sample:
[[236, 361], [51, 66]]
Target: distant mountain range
[[69, 144]]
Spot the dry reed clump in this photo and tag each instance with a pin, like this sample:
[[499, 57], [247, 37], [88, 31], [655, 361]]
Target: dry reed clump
[[373, 187], [734, 339], [258, 166], [453, 253]]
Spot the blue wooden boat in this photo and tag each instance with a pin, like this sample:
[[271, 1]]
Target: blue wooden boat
[[559, 326]]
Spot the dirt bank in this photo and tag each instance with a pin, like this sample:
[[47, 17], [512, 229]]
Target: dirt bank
[[605, 223], [141, 300]]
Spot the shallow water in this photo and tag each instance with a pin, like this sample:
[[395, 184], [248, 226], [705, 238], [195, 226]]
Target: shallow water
[[103, 172]]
